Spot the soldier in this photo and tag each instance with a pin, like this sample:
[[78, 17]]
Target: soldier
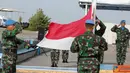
[[100, 33], [55, 57], [121, 41], [65, 55], [87, 46], [9, 46], [55, 54]]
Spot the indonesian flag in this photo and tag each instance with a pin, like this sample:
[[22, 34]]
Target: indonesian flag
[[61, 36]]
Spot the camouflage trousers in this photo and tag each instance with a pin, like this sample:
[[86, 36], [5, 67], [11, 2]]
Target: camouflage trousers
[[55, 54], [121, 49], [101, 57], [65, 54], [88, 65], [9, 58]]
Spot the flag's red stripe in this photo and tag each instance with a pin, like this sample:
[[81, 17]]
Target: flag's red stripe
[[59, 31]]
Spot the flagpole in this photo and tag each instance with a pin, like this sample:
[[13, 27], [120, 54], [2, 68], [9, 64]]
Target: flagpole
[[94, 2], [86, 9]]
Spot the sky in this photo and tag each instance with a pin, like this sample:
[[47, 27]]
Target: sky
[[61, 11]]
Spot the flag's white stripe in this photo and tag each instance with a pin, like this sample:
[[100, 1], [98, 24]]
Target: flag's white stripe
[[61, 44]]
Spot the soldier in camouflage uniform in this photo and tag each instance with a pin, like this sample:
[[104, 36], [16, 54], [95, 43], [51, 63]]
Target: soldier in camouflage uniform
[[100, 33], [65, 55], [121, 41], [55, 54], [55, 57], [87, 46], [9, 46]]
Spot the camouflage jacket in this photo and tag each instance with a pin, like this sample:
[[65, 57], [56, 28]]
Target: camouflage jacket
[[122, 35], [102, 29], [9, 38], [88, 44]]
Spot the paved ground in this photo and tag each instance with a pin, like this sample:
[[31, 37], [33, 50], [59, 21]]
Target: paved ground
[[43, 60]]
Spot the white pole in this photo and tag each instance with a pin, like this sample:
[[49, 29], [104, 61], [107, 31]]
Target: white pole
[[86, 9], [94, 12]]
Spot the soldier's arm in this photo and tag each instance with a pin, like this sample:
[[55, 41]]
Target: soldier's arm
[[19, 41], [113, 29], [6, 33], [22, 43], [102, 29], [103, 44], [128, 34], [74, 47], [18, 28]]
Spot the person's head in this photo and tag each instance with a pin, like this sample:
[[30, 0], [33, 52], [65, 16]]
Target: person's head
[[10, 24], [89, 25], [123, 23]]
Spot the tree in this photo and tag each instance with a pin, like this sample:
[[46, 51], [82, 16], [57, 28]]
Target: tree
[[38, 20]]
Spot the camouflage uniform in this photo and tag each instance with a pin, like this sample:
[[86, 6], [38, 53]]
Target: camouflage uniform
[[128, 44], [100, 33], [10, 44], [55, 56], [65, 55], [87, 46], [121, 43]]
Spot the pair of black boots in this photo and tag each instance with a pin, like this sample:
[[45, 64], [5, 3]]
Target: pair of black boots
[[55, 65], [64, 61], [120, 63]]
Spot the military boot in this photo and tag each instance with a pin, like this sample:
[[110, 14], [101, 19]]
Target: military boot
[[55, 65], [119, 64], [65, 61], [52, 65]]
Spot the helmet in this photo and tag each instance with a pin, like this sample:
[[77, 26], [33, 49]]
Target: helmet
[[91, 22], [10, 22], [123, 21]]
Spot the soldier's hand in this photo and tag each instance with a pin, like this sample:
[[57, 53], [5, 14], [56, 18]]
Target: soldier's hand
[[97, 21], [118, 25], [29, 46]]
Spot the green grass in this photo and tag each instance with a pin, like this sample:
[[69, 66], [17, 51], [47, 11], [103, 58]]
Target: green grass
[[31, 29]]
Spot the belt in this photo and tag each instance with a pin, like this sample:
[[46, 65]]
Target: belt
[[88, 56]]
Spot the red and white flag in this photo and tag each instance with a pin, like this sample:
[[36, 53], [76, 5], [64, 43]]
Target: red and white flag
[[61, 36]]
